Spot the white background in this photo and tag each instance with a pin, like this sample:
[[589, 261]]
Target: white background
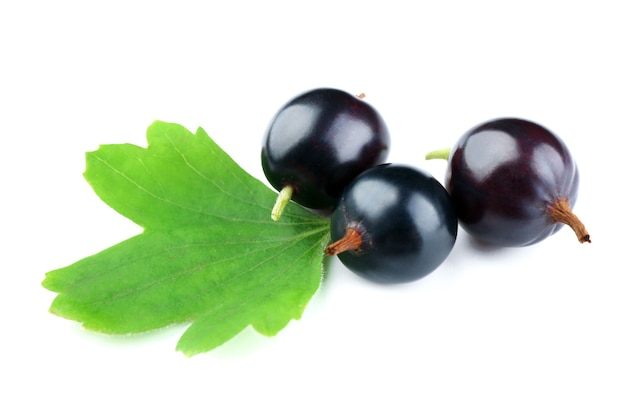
[[536, 324]]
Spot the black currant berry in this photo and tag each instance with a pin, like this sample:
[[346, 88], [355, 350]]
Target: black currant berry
[[317, 143], [393, 224], [513, 183]]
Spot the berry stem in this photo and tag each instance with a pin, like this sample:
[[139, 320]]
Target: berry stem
[[560, 211], [283, 198], [350, 242], [439, 154]]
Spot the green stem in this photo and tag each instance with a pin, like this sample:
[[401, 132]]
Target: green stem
[[283, 198], [439, 154]]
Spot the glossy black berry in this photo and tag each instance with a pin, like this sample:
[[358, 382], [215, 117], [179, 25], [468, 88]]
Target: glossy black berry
[[318, 142], [513, 183], [393, 224]]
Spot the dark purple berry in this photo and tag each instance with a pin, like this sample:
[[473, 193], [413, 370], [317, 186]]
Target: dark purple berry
[[393, 224], [513, 183], [317, 143]]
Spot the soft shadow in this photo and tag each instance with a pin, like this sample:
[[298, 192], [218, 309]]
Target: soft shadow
[[483, 247]]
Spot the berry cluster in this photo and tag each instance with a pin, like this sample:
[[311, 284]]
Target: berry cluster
[[509, 182]]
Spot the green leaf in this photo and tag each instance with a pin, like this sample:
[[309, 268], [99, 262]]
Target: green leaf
[[209, 254]]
